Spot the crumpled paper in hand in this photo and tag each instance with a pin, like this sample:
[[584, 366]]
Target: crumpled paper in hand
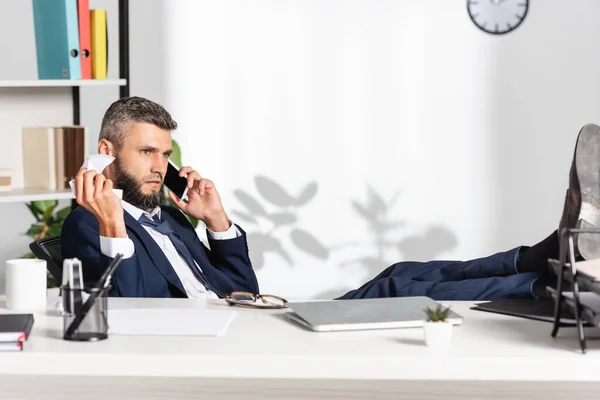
[[97, 162]]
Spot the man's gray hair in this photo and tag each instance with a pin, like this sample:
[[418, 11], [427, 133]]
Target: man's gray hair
[[128, 110]]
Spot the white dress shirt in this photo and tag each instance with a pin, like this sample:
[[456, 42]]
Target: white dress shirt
[[193, 287]]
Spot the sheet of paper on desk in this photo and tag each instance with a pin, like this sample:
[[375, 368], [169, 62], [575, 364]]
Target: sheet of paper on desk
[[169, 321]]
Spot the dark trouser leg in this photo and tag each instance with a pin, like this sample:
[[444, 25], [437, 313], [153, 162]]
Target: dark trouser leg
[[485, 278], [512, 286], [499, 264]]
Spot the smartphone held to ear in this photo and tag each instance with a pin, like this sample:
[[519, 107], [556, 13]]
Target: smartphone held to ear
[[176, 184]]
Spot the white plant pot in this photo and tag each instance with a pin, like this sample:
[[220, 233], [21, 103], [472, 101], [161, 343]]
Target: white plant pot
[[438, 334]]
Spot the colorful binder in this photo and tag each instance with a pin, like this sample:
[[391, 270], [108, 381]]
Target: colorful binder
[[57, 39], [85, 44], [99, 43]]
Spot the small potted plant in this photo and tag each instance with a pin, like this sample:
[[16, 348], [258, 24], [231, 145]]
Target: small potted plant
[[438, 330]]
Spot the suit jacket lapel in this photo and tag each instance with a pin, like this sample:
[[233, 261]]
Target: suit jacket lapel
[[156, 255]]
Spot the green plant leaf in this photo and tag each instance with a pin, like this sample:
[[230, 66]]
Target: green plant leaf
[[63, 213], [29, 255], [57, 220], [53, 232], [36, 214], [48, 212], [35, 205], [55, 224], [176, 156], [43, 205], [34, 230], [437, 314], [193, 221]]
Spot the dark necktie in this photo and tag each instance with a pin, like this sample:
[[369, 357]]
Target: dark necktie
[[165, 228]]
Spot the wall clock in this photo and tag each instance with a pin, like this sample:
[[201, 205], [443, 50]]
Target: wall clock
[[497, 16]]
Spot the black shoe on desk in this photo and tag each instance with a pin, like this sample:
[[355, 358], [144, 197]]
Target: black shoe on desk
[[582, 203]]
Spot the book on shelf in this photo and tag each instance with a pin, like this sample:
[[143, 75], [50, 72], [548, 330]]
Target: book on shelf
[[52, 156], [99, 43]]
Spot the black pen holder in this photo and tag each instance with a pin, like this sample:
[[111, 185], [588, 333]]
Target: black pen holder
[[94, 325]]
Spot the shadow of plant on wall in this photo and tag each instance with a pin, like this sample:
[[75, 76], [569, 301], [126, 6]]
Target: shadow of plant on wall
[[274, 218], [273, 225], [377, 216], [385, 237]]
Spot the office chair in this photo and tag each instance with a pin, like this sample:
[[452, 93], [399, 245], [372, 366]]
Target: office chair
[[49, 249]]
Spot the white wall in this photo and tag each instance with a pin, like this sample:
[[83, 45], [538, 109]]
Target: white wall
[[17, 56], [473, 132]]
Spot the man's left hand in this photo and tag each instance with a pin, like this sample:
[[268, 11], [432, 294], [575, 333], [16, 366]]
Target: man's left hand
[[204, 202]]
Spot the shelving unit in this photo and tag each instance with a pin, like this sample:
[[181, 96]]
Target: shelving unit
[[123, 82], [62, 83], [30, 194]]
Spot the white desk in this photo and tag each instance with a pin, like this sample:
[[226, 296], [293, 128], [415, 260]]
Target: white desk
[[264, 356]]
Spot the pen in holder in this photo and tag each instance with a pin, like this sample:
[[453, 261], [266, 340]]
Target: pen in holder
[[90, 325], [89, 321]]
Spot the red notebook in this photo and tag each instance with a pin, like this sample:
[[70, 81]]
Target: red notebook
[[85, 38]]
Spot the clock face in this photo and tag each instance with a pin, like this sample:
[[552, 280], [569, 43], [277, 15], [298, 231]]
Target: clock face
[[497, 16]]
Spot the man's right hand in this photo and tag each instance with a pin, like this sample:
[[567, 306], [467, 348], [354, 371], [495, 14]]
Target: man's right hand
[[94, 193]]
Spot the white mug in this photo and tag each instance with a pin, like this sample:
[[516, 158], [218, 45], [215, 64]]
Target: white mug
[[26, 284]]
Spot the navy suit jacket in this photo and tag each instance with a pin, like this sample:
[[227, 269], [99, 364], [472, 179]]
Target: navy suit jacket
[[148, 273]]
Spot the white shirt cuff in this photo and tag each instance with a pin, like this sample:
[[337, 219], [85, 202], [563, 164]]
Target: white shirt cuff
[[110, 247], [230, 233]]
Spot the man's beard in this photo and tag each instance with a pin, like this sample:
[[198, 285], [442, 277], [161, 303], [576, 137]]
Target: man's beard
[[132, 189]]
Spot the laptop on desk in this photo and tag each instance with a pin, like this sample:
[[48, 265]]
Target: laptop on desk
[[347, 315]]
